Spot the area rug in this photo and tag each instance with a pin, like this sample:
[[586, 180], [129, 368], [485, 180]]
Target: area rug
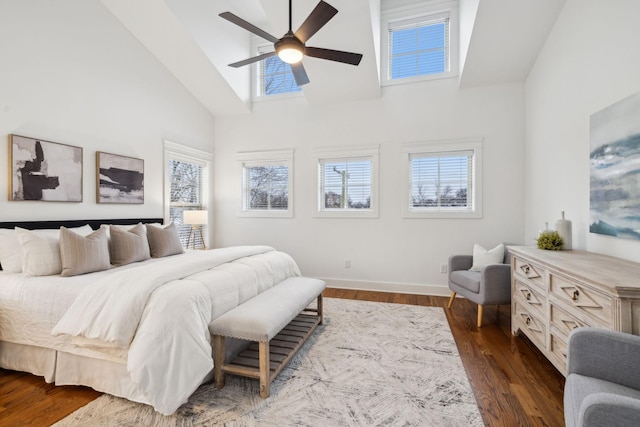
[[369, 364]]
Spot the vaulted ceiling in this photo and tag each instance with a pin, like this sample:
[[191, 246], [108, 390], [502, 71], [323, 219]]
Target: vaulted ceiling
[[196, 45]]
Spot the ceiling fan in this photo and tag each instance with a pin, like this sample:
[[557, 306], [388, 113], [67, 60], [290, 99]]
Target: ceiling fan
[[291, 47]]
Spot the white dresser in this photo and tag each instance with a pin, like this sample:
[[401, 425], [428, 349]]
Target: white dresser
[[554, 292]]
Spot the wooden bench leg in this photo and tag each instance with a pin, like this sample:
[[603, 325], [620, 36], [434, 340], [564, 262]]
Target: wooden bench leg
[[320, 309], [218, 360], [265, 369]]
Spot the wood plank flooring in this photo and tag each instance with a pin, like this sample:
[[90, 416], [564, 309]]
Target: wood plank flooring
[[513, 383]]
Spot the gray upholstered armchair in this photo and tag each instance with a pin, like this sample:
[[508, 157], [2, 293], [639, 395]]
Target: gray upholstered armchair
[[603, 379], [491, 285]]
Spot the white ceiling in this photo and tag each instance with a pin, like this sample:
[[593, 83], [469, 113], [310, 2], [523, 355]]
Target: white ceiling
[[195, 44]]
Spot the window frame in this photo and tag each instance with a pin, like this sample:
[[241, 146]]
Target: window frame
[[258, 46], [438, 147], [266, 158], [175, 151], [394, 16], [346, 154]]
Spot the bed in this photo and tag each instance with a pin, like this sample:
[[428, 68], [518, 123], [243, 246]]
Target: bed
[[138, 331]]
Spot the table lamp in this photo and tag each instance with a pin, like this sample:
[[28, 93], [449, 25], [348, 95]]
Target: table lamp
[[196, 218]]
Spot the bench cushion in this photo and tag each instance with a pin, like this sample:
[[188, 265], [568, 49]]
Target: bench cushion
[[263, 316]]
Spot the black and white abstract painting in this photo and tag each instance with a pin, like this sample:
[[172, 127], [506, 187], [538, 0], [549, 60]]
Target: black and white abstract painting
[[44, 170], [615, 170], [120, 179]]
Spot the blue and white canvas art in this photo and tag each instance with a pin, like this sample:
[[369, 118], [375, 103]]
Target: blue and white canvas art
[[615, 170]]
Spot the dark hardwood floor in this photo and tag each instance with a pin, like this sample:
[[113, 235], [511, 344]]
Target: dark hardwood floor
[[513, 383]]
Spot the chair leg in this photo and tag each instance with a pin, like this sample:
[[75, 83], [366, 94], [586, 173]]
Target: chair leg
[[479, 316], [451, 299]]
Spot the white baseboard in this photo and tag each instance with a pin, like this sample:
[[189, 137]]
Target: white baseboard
[[400, 288]]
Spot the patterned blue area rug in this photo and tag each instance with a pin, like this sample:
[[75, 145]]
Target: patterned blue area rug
[[369, 364]]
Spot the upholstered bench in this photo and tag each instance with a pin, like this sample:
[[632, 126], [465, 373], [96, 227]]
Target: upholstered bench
[[278, 321]]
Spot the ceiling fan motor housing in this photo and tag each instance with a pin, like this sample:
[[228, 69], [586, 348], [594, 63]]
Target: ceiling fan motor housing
[[289, 48]]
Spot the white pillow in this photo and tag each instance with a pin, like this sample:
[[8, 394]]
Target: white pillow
[[41, 250], [483, 257], [10, 256]]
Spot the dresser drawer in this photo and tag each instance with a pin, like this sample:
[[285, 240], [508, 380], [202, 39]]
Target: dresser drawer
[[532, 326], [530, 271], [563, 321], [583, 300], [529, 297], [558, 350]]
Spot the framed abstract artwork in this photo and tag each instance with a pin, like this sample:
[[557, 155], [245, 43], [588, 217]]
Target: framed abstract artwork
[[120, 179], [44, 170], [615, 170]]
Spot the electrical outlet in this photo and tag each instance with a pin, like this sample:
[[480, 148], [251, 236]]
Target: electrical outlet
[[443, 268], [347, 263]]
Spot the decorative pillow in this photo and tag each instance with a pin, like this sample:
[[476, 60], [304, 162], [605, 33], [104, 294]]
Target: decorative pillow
[[164, 241], [483, 257], [127, 246], [40, 250], [10, 256], [80, 254]]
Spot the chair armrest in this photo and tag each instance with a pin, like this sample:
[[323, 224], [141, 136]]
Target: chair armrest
[[604, 354], [606, 409], [495, 284], [460, 262]]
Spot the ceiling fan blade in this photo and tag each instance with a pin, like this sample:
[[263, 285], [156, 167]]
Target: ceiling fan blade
[[247, 26], [316, 20], [299, 73], [252, 60], [333, 55]]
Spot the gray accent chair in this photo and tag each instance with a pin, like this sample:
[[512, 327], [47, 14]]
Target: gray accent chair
[[603, 379], [491, 285]]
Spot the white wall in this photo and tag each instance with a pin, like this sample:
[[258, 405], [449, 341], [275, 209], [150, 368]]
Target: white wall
[[398, 254], [72, 74], [589, 61]]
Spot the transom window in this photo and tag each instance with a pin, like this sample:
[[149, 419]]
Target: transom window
[[419, 46], [274, 77], [443, 180], [347, 182], [267, 183], [420, 43]]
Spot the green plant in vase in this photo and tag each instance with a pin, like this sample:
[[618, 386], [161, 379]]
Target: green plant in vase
[[549, 240]]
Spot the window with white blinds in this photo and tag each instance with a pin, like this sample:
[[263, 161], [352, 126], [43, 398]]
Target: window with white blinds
[[266, 183], [419, 46], [347, 183], [274, 77], [187, 184], [443, 180], [419, 42]]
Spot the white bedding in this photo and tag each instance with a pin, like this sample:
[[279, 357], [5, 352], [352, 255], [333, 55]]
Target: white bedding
[[167, 304]]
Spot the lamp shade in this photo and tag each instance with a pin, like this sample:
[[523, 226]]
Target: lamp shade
[[195, 217]]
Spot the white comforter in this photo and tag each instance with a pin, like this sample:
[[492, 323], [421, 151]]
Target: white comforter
[[161, 313]]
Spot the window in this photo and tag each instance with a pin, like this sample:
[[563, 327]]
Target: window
[[274, 77], [443, 179], [186, 187], [347, 182], [419, 44], [266, 183]]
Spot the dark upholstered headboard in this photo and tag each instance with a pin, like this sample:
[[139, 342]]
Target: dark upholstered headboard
[[94, 223]]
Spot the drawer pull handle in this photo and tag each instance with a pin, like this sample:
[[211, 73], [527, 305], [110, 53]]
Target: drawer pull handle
[[528, 296], [528, 321], [575, 296], [525, 269]]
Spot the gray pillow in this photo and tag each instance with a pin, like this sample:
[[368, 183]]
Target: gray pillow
[[164, 241], [80, 255], [128, 245]]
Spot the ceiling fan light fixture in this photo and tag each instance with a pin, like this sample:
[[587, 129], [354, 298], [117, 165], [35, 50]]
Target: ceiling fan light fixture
[[290, 50]]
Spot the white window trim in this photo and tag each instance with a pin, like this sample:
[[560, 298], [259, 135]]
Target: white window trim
[[336, 153], [408, 12], [474, 144], [173, 150], [256, 43], [258, 158]]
